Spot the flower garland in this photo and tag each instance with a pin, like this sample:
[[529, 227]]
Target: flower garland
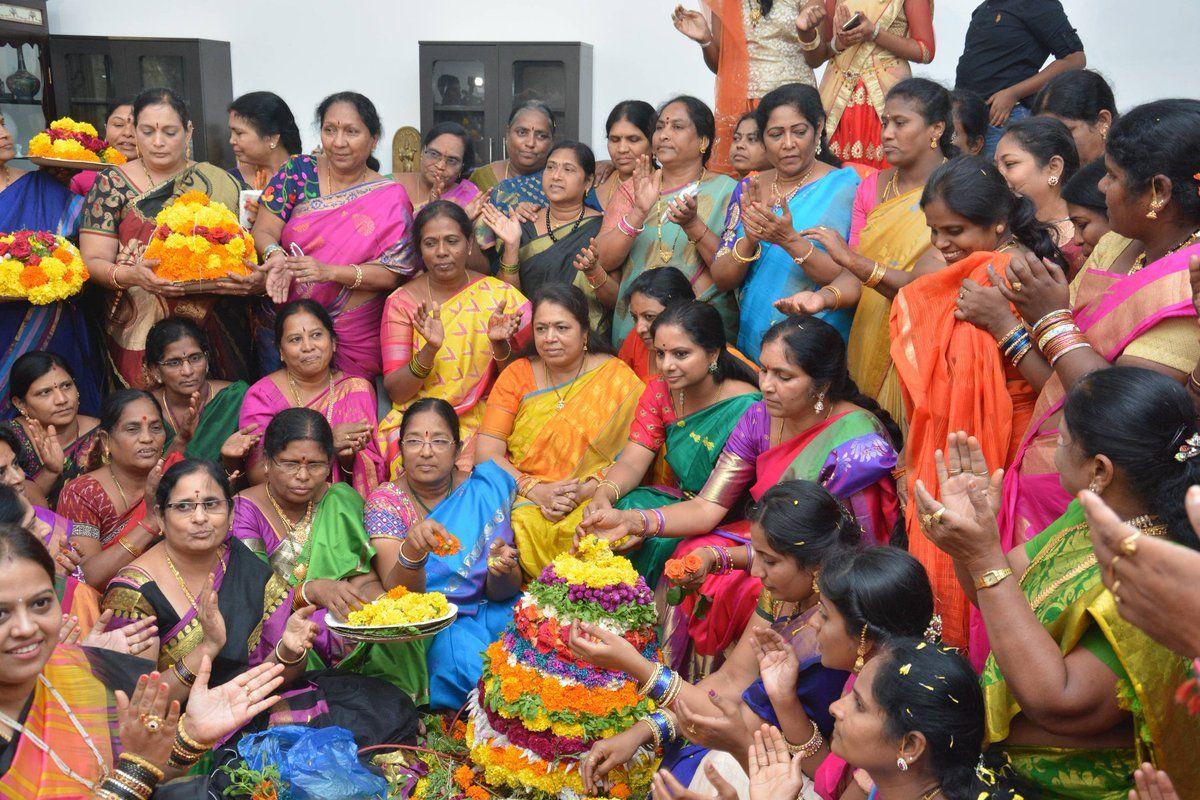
[[535, 717], [69, 140], [39, 267], [197, 239], [517, 680]]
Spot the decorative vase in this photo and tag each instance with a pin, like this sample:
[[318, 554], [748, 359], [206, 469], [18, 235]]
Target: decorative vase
[[23, 83]]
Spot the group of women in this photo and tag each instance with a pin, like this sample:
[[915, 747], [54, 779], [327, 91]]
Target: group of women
[[793, 377]]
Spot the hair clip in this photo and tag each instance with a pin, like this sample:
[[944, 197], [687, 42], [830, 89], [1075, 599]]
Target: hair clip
[[1189, 449]]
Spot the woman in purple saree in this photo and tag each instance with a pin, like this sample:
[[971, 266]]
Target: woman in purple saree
[[338, 232]]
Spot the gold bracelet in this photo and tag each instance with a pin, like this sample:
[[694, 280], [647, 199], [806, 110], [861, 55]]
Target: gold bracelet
[[876, 277], [616, 490], [128, 547], [510, 269], [812, 248], [131, 783], [504, 357], [811, 746], [358, 277], [187, 740], [739, 257], [837, 296], [596, 286], [112, 276], [417, 368], [815, 44], [279, 656]]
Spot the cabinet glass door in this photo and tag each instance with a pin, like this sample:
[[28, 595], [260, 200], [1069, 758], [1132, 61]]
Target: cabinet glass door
[[21, 88], [89, 87], [545, 81], [459, 90], [157, 71]]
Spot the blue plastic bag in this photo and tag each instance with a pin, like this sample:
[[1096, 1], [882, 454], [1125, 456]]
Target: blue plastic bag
[[314, 763]]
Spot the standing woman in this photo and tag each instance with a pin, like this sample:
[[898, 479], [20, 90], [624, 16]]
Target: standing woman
[[118, 221], [1083, 101], [865, 62], [517, 178], [263, 136], [554, 419], [308, 343], [337, 232], [747, 155], [630, 129], [1087, 207], [447, 158], [650, 295], [752, 47], [447, 336], [762, 250], [1037, 156], [547, 249], [670, 217]]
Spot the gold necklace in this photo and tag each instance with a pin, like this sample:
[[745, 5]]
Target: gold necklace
[[1140, 261], [37, 741], [182, 583], [456, 293], [892, 189], [780, 200], [296, 393], [562, 398], [113, 474], [782, 428], [328, 180]]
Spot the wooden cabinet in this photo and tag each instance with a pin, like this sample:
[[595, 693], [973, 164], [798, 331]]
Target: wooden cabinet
[[477, 84], [25, 98], [90, 72]]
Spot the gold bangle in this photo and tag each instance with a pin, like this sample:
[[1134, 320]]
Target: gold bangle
[[128, 547], [279, 656], [1193, 383], [510, 269], [112, 276], [596, 286], [837, 296], [815, 44], [812, 248], [506, 356], [616, 490], [418, 369], [358, 277], [141, 762], [739, 257], [878, 272], [188, 741]]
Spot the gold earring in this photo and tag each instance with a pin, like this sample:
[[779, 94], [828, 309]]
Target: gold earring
[[933, 144], [104, 457], [1154, 205], [816, 586], [862, 651], [189, 150], [1104, 134], [1094, 487]]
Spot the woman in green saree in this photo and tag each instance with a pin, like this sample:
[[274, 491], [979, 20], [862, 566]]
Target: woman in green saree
[[1076, 696], [682, 421], [311, 533], [202, 410]]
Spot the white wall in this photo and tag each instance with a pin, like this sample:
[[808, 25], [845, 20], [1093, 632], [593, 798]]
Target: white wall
[[305, 49]]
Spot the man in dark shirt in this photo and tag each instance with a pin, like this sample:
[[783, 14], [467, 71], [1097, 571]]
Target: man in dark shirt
[[1007, 43]]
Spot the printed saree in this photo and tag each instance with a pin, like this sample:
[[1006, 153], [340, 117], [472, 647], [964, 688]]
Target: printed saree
[[664, 244], [1118, 314], [116, 208], [38, 202], [825, 202], [83, 500], [75, 596], [218, 421], [507, 194], [544, 260], [895, 235], [464, 369], [690, 447], [77, 454], [350, 399], [335, 547], [477, 513], [370, 222], [954, 378], [1078, 611], [573, 430]]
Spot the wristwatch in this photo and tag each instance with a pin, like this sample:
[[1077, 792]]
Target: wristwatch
[[993, 576]]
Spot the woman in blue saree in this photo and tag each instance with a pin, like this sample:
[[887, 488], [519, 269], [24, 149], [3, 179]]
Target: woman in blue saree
[[432, 502], [762, 249]]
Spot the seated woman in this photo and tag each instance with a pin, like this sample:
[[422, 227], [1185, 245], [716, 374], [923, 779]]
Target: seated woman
[[215, 601], [914, 724], [202, 409], [812, 424], [55, 439], [429, 498], [1037, 156], [307, 342], [447, 336], [649, 295], [555, 418], [112, 499], [548, 249], [1077, 697], [1087, 206], [447, 158], [685, 416], [78, 715], [311, 533]]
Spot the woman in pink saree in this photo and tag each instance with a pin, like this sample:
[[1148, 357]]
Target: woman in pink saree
[[339, 233], [307, 342]]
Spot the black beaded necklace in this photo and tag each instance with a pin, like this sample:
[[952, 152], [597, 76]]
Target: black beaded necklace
[[575, 227]]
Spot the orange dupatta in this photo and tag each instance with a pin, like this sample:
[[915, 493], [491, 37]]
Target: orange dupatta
[[928, 346], [733, 80]]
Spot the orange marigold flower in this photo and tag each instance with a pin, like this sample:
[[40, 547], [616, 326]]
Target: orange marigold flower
[[464, 777], [33, 276], [199, 198], [447, 545], [478, 793], [621, 791], [397, 591]]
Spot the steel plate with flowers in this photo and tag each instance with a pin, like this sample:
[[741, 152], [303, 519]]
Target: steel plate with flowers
[[398, 616]]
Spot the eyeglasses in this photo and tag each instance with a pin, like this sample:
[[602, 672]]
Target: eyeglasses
[[294, 467], [186, 507], [437, 445], [194, 360], [453, 162]]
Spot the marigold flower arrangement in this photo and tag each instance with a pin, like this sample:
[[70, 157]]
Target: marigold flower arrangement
[[69, 140], [39, 267], [401, 608], [198, 239]]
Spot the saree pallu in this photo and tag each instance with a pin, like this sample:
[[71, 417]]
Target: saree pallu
[[350, 400], [485, 178], [509, 193], [84, 500], [1112, 311], [664, 244], [75, 596], [578, 440], [117, 209], [463, 370], [1079, 611], [477, 513], [690, 449], [218, 421], [335, 548], [895, 235], [826, 202], [36, 201], [954, 379], [76, 454], [544, 260]]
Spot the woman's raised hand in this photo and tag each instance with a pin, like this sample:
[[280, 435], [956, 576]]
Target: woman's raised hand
[[834, 245], [778, 665], [151, 520], [241, 442], [191, 419], [1035, 286], [134, 639], [775, 774], [964, 524], [502, 327], [299, 633], [507, 227], [1152, 784], [428, 322], [682, 210], [350, 438], [212, 624], [691, 24], [810, 18], [526, 211], [213, 714], [803, 303], [424, 538], [47, 446], [602, 647], [665, 786], [146, 721], [646, 185], [587, 259], [475, 208]]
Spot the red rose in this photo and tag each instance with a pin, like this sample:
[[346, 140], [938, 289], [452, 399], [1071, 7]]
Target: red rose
[[3, 249], [20, 249], [162, 231], [46, 238], [33, 260]]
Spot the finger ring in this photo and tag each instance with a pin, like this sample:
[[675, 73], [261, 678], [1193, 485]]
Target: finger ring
[[936, 517], [953, 472], [1112, 568], [1116, 587], [152, 722], [1017, 286], [1129, 543], [926, 520]]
